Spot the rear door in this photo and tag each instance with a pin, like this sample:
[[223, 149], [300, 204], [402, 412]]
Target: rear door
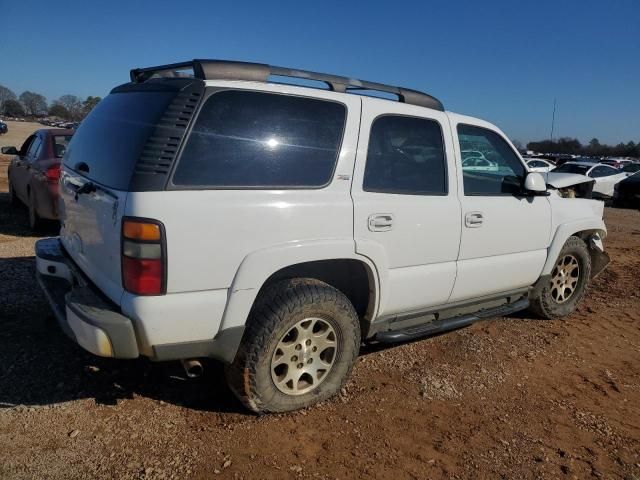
[[96, 177], [406, 210]]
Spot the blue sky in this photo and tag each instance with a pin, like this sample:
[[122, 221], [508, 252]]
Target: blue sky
[[501, 60]]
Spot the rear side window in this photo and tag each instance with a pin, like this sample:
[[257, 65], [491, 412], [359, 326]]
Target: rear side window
[[111, 139], [262, 140], [405, 156]]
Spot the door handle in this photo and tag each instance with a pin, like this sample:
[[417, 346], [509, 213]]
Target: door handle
[[473, 219], [380, 222]]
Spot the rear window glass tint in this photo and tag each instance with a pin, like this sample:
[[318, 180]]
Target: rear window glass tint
[[405, 156], [110, 140], [60, 143], [262, 140]]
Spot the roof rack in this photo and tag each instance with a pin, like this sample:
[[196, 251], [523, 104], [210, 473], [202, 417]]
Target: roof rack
[[231, 70]]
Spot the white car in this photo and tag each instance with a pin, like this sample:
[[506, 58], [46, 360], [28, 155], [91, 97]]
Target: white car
[[539, 165], [276, 227], [605, 176]]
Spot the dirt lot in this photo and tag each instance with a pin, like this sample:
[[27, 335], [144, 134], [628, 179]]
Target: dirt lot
[[506, 398]]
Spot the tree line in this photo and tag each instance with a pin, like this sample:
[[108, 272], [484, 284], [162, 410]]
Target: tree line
[[67, 107], [593, 149]]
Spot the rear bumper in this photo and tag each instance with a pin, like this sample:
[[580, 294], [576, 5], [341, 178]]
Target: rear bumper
[[165, 327], [83, 314]]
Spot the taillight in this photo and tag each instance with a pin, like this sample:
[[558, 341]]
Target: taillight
[[53, 173], [143, 257]]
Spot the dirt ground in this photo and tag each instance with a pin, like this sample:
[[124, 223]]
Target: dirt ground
[[505, 398]]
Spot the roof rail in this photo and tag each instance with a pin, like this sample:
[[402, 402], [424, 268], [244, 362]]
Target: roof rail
[[231, 70]]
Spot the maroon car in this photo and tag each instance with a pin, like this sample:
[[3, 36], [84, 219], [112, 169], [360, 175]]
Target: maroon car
[[34, 173]]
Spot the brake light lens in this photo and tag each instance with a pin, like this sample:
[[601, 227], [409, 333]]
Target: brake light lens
[[53, 173], [143, 257]]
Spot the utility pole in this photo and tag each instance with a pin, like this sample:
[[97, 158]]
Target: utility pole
[[553, 118]]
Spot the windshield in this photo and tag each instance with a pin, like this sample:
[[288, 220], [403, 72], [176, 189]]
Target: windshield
[[572, 168]]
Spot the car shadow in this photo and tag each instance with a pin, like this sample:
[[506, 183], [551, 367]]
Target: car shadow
[[14, 221], [40, 366]]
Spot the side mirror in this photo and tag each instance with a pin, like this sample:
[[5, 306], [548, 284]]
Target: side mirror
[[9, 150], [535, 182]]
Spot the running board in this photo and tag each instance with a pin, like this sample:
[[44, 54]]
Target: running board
[[440, 326]]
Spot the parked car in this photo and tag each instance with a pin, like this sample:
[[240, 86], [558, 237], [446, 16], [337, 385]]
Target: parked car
[[276, 227], [4, 128], [541, 166], [627, 192], [617, 162], [34, 171], [631, 168], [605, 176]]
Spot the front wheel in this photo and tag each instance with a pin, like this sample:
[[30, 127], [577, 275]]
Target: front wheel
[[300, 343], [568, 284]]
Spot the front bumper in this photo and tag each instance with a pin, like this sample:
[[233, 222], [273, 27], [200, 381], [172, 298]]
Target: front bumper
[[83, 313]]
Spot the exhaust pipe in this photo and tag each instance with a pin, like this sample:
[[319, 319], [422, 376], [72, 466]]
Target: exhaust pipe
[[192, 368]]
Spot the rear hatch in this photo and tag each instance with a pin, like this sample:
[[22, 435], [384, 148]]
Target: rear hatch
[[127, 143]]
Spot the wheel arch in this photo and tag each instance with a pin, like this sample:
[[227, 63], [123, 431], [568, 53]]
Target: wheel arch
[[333, 262], [585, 229]]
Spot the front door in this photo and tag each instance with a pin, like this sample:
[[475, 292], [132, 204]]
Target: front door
[[505, 234], [406, 211], [21, 166]]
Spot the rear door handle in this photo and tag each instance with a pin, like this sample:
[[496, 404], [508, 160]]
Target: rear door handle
[[473, 219], [380, 222]]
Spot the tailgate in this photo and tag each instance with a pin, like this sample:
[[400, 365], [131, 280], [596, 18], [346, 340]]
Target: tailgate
[[91, 222]]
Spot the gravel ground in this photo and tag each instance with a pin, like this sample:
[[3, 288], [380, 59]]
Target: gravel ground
[[505, 398]]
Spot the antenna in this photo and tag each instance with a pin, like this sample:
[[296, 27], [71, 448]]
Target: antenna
[[553, 118]]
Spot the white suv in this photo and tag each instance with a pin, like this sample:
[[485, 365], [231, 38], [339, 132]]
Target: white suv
[[275, 227]]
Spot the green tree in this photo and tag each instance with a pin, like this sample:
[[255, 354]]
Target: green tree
[[5, 94], [34, 103], [58, 110], [89, 104], [13, 108], [73, 104]]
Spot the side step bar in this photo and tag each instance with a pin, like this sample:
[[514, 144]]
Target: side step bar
[[447, 324]]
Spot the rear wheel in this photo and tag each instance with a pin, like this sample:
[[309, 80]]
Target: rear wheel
[[300, 343], [568, 283], [35, 222]]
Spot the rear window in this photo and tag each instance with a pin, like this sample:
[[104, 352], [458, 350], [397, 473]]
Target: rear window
[[60, 144], [262, 140], [572, 168], [110, 140]]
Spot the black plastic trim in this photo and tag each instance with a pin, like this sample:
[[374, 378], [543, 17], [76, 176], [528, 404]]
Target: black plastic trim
[[433, 327], [223, 347]]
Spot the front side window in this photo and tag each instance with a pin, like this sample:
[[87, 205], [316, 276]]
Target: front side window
[[489, 164], [262, 140], [34, 148], [405, 156]]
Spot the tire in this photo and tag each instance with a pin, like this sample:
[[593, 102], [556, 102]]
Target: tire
[[13, 199], [291, 318], [35, 222], [560, 297]]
